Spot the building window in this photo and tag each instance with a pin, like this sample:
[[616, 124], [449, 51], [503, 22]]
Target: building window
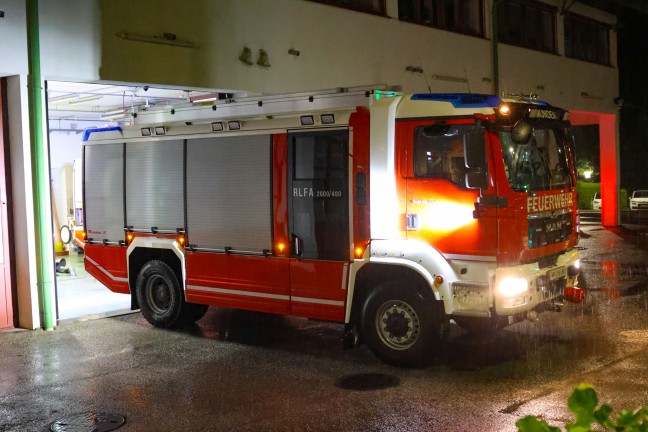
[[527, 24], [586, 39], [461, 16], [371, 6]]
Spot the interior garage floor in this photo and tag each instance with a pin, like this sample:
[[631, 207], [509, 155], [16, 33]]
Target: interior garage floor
[[81, 297]]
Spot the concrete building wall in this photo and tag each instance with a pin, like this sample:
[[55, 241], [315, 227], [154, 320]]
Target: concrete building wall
[[337, 48], [70, 50]]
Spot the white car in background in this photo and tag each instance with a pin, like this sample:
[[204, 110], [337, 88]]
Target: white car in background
[[596, 201], [639, 200]]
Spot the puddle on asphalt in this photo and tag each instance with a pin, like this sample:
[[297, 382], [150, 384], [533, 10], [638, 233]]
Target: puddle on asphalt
[[88, 422], [613, 268]]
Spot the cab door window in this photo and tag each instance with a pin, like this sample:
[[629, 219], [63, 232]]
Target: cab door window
[[439, 152]]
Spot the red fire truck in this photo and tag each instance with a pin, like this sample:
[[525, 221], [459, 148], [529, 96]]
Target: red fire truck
[[390, 213]]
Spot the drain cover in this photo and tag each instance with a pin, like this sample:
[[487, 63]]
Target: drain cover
[[369, 381], [90, 422]]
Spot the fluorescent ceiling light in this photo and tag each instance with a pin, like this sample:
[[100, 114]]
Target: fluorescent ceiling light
[[62, 98], [120, 111], [85, 100], [113, 116]]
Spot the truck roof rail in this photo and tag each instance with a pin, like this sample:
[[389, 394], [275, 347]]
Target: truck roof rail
[[268, 105]]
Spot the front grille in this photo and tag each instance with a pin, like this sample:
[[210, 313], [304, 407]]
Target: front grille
[[549, 229], [548, 261]]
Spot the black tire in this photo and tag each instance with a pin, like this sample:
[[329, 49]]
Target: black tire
[[402, 327], [159, 295]]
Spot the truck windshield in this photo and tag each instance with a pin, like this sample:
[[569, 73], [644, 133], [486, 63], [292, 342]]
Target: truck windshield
[[540, 164]]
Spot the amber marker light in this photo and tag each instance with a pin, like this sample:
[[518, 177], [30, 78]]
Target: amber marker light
[[504, 109], [129, 238], [181, 240], [359, 252], [281, 247], [438, 279]]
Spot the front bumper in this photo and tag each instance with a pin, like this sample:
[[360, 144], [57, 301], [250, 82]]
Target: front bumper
[[543, 284]]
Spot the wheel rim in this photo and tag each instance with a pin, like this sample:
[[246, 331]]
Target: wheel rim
[[158, 294], [398, 324]]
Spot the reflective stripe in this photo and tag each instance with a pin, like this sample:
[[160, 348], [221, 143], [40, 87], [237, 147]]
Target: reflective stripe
[[266, 295], [317, 301], [103, 270], [237, 292]]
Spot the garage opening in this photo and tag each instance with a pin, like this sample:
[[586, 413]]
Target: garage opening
[[72, 108]]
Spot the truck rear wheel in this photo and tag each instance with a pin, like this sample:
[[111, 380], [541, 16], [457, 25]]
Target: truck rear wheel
[[159, 294], [401, 327]]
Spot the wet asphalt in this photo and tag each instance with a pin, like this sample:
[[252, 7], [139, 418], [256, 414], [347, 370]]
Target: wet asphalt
[[241, 371]]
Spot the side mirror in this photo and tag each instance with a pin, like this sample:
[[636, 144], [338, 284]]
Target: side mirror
[[475, 149], [476, 179]]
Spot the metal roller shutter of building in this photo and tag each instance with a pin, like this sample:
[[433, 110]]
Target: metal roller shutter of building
[[154, 191], [229, 193], [104, 192]]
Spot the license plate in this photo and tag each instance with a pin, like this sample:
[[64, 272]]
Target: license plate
[[557, 273]]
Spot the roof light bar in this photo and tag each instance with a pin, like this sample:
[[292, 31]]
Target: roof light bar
[[461, 100]]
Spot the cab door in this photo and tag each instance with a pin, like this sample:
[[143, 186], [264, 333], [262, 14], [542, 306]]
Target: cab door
[[319, 221], [440, 206]]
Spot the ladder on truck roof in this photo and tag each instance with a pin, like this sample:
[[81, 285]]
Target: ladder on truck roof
[[267, 106]]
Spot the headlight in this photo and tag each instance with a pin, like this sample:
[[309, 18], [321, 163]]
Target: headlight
[[512, 286]]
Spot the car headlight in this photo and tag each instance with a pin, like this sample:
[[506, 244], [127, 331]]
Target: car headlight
[[512, 286]]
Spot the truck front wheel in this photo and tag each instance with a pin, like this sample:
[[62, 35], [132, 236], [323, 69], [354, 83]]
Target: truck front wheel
[[159, 295], [401, 327]]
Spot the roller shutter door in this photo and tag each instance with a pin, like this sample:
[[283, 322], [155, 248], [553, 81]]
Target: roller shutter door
[[229, 193], [154, 191], [104, 192]]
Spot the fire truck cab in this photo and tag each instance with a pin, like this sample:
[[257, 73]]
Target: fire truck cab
[[389, 213]]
